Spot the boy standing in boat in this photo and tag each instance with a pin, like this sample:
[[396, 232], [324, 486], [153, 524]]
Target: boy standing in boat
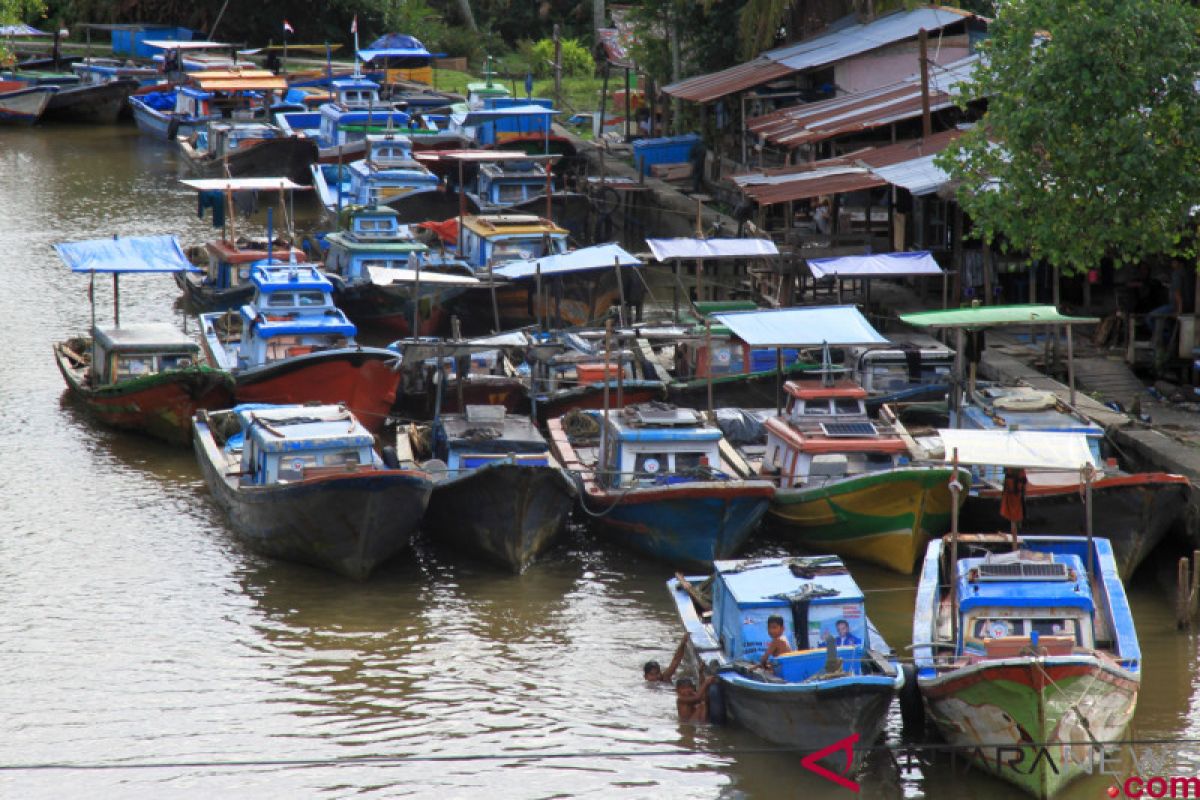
[[779, 643]]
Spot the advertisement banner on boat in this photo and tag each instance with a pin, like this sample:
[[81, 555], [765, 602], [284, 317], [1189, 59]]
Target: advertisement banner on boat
[[845, 622]]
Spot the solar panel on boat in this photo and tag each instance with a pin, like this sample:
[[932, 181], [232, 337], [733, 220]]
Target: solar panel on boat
[[1024, 570], [849, 429]]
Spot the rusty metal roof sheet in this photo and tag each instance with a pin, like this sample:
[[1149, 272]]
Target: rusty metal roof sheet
[[704, 88], [814, 122], [818, 51]]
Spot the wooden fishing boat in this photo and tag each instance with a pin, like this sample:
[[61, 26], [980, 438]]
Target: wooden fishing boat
[[304, 483], [146, 378], [22, 104], [291, 344], [386, 280], [243, 93], [387, 174], [498, 491], [837, 683], [1025, 657], [90, 102], [846, 483], [224, 282], [653, 478], [248, 149]]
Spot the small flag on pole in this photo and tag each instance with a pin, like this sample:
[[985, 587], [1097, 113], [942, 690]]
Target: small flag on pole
[[354, 24], [287, 27]]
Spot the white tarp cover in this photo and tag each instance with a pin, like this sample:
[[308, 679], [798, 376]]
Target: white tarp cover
[[171, 44], [881, 265], [385, 276], [666, 249], [581, 260], [1023, 449], [480, 116], [242, 184], [786, 327]]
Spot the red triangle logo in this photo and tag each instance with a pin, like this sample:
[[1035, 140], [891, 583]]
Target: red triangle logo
[[809, 762]]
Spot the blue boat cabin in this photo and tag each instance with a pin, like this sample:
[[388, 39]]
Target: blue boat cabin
[[486, 435], [375, 238], [355, 112], [1010, 602], [285, 444], [501, 185], [646, 445], [388, 172], [497, 238], [827, 604], [134, 351], [292, 314]]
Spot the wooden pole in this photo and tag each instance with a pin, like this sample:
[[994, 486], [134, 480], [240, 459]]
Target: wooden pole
[[116, 300], [778, 381], [537, 296], [959, 338], [495, 302], [950, 577], [600, 461], [620, 291], [926, 119], [1088, 474], [708, 380], [416, 301], [557, 68], [456, 332], [1071, 365]]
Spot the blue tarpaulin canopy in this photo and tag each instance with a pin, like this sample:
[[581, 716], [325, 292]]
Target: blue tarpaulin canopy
[[667, 249], [480, 116], [881, 265], [586, 258], [839, 326], [394, 45], [126, 255]]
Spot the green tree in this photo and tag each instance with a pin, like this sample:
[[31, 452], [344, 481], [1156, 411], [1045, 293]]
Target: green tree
[[1090, 146]]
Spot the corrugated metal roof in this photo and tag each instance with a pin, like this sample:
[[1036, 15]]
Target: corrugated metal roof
[[863, 38], [813, 122], [704, 88], [817, 51], [905, 164]]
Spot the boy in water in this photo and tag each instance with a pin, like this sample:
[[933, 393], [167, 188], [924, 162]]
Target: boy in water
[[654, 673], [779, 643], [692, 703]]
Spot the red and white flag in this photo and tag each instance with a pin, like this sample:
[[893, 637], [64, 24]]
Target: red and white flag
[[354, 24], [287, 27]]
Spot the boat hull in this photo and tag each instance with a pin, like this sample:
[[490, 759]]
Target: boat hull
[[689, 524], [506, 513], [202, 296], [390, 311], [1134, 512], [996, 709], [288, 157], [160, 405], [100, 103], [886, 518], [349, 524], [24, 106], [157, 124], [811, 717], [363, 379]]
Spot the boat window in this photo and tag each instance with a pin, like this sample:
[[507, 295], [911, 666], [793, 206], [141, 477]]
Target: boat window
[[649, 465], [509, 251], [310, 299], [292, 466], [994, 628], [878, 461], [690, 462], [844, 406], [1057, 627], [817, 408], [134, 366], [175, 361], [510, 193], [280, 299], [341, 458]]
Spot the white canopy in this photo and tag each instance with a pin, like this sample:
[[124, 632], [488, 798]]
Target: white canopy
[[666, 249], [385, 276], [242, 184], [585, 258], [1018, 449], [171, 44], [790, 327], [881, 265]]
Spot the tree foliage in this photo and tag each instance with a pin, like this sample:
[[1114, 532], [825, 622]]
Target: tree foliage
[[577, 60], [1090, 146]]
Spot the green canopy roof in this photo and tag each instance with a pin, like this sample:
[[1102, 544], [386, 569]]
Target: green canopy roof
[[992, 316]]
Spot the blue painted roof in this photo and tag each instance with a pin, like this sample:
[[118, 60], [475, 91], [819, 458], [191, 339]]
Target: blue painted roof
[[756, 586], [1017, 593], [126, 254], [354, 83], [290, 278], [706, 434], [303, 428], [328, 322]]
